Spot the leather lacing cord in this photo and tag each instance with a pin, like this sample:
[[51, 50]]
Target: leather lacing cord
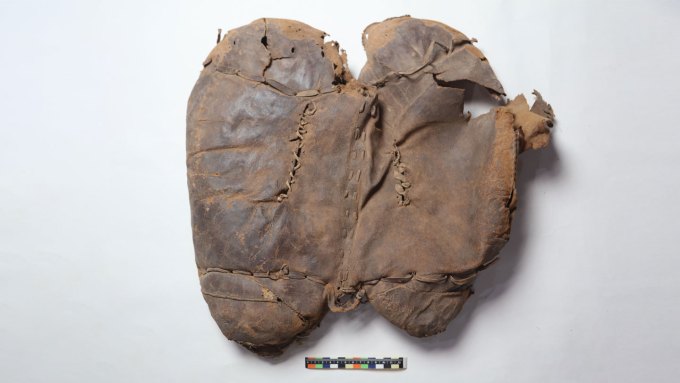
[[309, 110], [399, 173]]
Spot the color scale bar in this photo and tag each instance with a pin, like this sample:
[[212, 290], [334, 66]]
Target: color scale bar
[[355, 363]]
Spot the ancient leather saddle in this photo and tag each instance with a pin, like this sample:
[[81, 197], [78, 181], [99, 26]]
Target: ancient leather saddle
[[311, 190]]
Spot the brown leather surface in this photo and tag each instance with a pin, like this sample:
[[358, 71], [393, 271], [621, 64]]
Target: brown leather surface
[[311, 190]]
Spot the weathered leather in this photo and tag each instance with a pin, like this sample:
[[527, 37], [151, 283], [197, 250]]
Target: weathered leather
[[311, 190]]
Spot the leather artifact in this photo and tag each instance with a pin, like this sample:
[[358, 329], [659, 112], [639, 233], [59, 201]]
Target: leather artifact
[[313, 191]]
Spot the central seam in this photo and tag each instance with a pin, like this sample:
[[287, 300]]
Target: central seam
[[345, 296]]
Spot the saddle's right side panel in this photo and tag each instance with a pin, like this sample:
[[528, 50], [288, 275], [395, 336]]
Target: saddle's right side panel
[[440, 194]]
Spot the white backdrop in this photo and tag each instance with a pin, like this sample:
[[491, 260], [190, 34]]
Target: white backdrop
[[97, 277]]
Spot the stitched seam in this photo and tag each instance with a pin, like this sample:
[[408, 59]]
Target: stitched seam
[[399, 174], [283, 273], [309, 110]]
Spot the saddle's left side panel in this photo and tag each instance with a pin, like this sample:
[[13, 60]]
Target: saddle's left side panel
[[264, 249]]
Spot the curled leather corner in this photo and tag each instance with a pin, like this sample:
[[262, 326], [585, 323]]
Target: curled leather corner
[[532, 124]]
